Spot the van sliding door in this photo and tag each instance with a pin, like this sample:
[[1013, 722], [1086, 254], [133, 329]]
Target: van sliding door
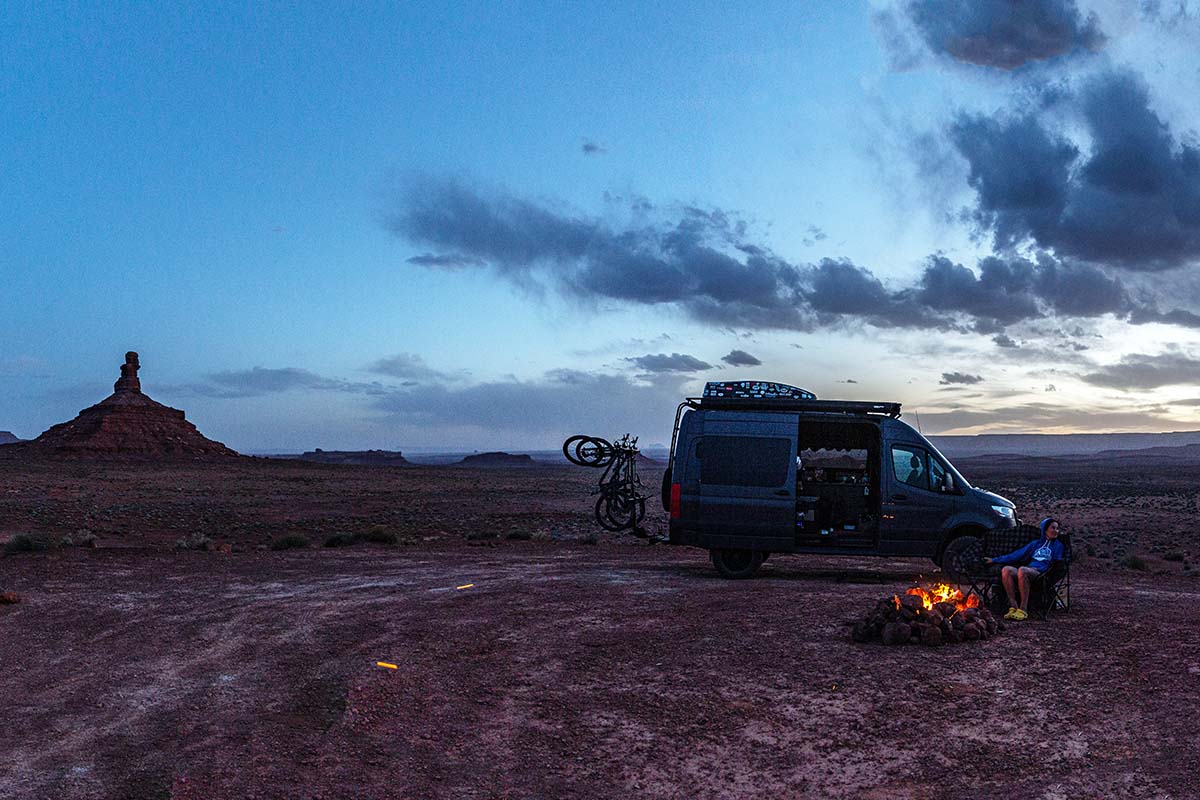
[[748, 480]]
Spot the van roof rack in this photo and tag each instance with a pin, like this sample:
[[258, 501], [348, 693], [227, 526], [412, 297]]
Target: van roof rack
[[858, 407]]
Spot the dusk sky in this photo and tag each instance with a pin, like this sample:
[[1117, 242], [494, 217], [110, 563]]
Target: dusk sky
[[490, 226]]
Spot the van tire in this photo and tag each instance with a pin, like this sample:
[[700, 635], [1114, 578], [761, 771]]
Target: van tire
[[736, 564], [962, 557]]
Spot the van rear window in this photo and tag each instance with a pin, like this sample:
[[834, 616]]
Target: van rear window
[[744, 460]]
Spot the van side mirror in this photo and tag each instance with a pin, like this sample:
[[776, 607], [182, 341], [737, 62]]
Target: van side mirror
[[948, 483]]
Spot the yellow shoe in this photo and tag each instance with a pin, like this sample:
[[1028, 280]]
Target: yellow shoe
[[1012, 614], [1020, 615]]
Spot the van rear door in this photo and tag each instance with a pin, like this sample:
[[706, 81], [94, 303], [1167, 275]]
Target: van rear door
[[748, 479]]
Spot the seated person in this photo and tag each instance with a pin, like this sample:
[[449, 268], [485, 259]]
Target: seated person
[[1031, 561], [917, 476]]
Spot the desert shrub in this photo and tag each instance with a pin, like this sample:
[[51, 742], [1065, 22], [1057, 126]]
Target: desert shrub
[[341, 540], [1135, 562], [519, 535], [29, 543], [476, 535], [1176, 556], [379, 535], [591, 538], [289, 541], [541, 536], [197, 541]]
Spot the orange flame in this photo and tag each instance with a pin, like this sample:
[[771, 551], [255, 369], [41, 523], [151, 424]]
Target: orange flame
[[941, 593]]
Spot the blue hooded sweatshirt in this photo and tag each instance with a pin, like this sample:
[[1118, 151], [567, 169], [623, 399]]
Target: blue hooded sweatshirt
[[1038, 554]]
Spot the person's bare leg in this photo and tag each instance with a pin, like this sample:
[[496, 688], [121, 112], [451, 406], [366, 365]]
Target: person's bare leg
[[1024, 576], [1008, 576]]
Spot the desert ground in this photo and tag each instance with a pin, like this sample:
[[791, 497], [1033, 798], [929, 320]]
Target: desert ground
[[535, 659]]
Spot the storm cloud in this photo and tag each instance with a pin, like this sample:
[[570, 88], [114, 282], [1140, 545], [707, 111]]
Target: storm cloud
[[1004, 34], [705, 263], [1131, 200]]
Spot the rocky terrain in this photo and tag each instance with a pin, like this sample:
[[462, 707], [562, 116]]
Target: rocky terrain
[[208, 646], [7, 437]]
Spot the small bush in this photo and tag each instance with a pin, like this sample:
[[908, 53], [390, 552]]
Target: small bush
[[197, 541], [520, 536], [341, 540], [379, 535], [289, 541], [476, 535], [1135, 562], [1176, 556], [29, 543], [591, 538]]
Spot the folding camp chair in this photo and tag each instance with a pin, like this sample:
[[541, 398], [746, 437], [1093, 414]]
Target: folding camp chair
[[1050, 592]]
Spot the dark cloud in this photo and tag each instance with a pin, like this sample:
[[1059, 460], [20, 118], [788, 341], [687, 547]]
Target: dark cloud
[[705, 263], [1139, 371], [675, 362], [448, 262], [590, 148], [962, 378], [406, 366], [1004, 34], [1131, 201], [1003, 340], [740, 358], [814, 235]]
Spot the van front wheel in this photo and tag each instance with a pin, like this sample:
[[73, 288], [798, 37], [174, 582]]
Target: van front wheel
[[736, 563]]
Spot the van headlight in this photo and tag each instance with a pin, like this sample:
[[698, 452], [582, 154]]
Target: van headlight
[[1003, 511]]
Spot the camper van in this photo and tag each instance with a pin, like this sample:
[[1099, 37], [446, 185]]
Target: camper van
[[758, 467]]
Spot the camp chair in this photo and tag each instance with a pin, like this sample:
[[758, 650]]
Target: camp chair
[[1049, 592]]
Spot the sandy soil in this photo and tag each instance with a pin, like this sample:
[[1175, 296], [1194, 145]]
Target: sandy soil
[[566, 670]]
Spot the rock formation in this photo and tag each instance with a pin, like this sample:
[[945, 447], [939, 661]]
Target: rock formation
[[497, 459], [373, 458], [127, 423], [7, 437]]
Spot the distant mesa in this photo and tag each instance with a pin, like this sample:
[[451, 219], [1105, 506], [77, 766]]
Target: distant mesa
[[6, 437], [127, 423], [497, 460], [377, 458]]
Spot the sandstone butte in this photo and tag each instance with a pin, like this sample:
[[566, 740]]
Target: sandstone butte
[[127, 423]]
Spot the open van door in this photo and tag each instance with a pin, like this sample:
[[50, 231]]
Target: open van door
[[748, 480]]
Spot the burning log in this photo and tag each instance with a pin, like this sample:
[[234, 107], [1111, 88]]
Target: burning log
[[939, 614]]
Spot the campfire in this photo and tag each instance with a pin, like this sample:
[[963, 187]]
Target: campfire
[[932, 615]]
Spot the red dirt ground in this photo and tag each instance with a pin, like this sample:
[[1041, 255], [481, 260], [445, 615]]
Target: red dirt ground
[[566, 670]]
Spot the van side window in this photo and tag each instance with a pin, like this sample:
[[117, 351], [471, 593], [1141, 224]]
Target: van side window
[[908, 463], [745, 460]]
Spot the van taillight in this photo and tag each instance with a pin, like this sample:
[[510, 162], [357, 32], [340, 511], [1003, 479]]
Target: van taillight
[[675, 492]]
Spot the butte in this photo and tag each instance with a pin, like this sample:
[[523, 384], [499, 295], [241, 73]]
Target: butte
[[127, 424]]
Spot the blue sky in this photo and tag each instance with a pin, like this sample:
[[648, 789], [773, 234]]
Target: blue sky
[[472, 226]]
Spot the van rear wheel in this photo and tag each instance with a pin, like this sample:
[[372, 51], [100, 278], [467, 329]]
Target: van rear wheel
[[736, 563]]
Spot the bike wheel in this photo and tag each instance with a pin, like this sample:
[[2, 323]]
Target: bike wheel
[[604, 518], [594, 452], [569, 448]]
